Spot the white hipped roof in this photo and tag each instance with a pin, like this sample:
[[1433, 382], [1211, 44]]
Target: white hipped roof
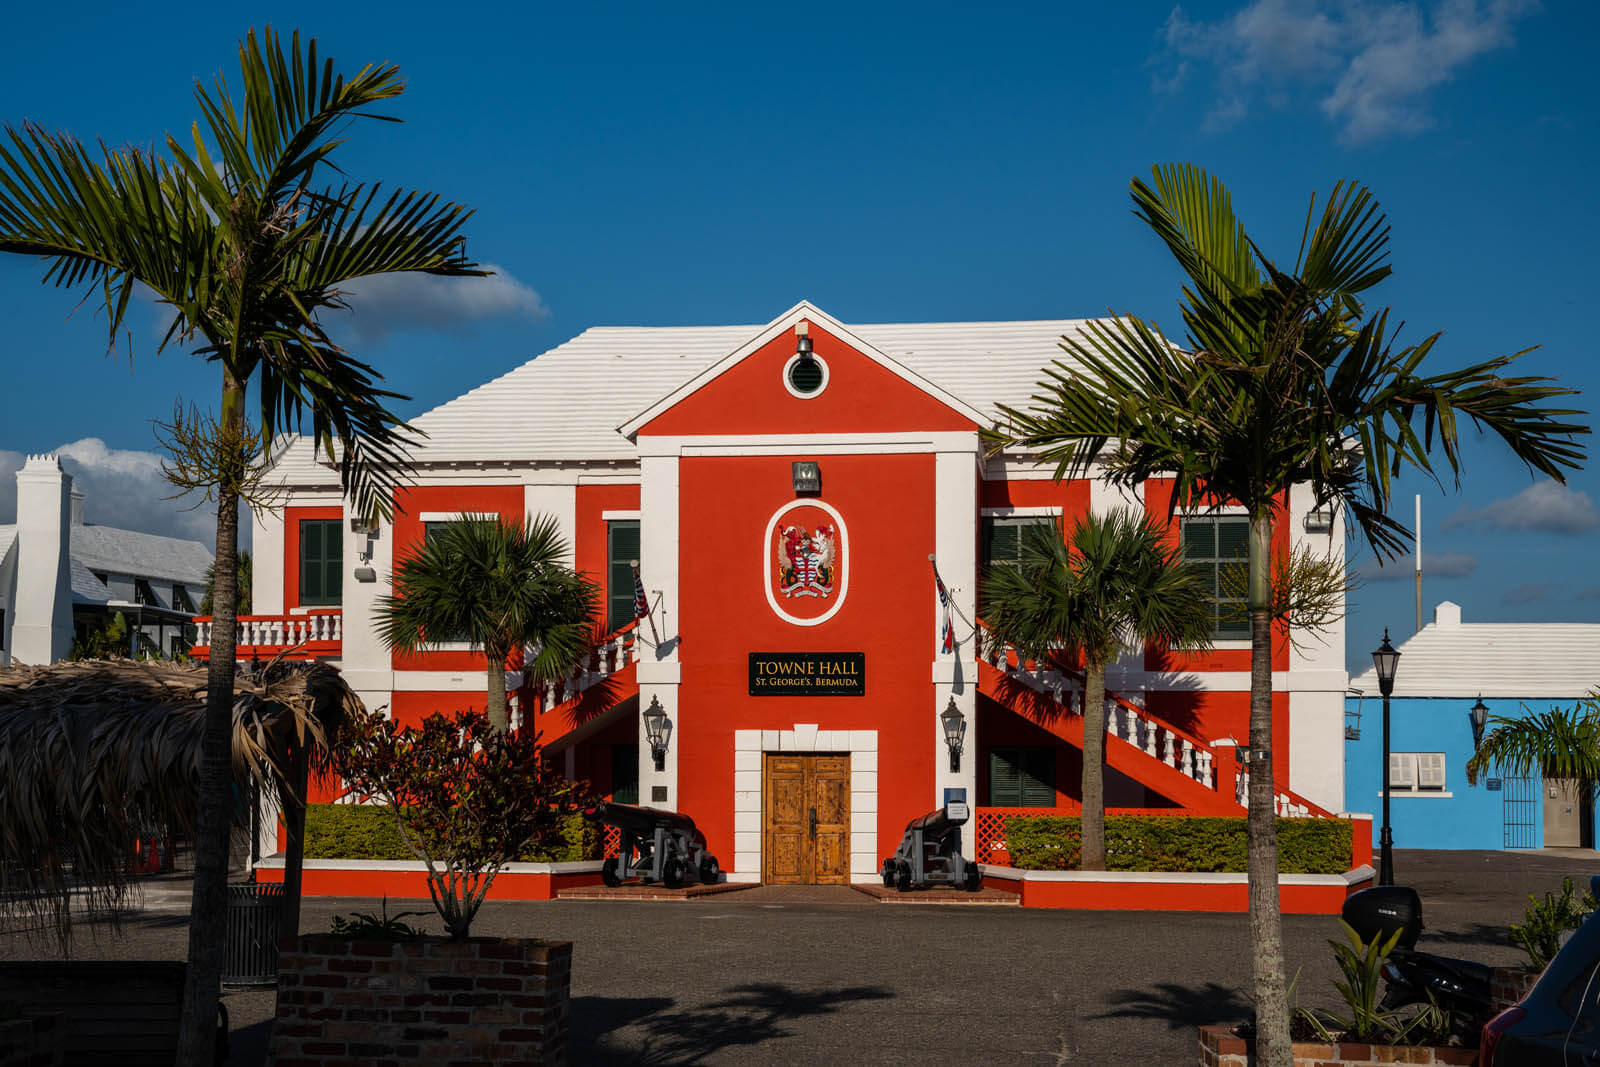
[[1558, 661], [567, 403]]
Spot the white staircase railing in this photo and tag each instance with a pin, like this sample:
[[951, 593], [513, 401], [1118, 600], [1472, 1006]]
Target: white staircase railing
[[610, 656], [1125, 719]]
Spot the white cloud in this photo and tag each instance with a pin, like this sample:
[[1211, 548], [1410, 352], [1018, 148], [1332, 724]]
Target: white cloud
[[392, 303], [1434, 565], [122, 488], [1545, 506], [1369, 64]]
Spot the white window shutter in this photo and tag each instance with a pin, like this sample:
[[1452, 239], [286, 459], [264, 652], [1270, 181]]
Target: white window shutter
[[1430, 770], [1402, 770]]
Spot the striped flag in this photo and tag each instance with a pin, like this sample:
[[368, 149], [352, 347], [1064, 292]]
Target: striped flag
[[641, 602], [947, 635]]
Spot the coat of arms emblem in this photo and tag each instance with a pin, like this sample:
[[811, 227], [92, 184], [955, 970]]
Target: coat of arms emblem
[[806, 560]]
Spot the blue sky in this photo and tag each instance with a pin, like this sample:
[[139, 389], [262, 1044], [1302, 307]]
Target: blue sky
[[650, 165]]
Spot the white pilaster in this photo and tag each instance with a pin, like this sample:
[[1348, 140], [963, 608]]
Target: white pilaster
[[1105, 498], [658, 668], [955, 674], [364, 659], [559, 502], [1316, 710], [42, 601], [267, 550]]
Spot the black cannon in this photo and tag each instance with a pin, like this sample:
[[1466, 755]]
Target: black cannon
[[930, 854], [657, 846]]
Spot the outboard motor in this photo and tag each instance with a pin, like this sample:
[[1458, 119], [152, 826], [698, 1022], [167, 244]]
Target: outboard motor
[[1459, 986]]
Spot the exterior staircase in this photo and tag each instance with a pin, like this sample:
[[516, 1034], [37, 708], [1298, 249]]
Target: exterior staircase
[[1202, 776]]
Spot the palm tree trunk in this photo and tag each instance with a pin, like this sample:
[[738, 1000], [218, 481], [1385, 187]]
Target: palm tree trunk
[[1093, 836], [208, 908], [294, 839], [498, 718], [1273, 1047]]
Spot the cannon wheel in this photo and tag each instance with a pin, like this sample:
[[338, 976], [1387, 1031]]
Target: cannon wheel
[[608, 874], [902, 878], [974, 878], [672, 875], [709, 870], [888, 874]]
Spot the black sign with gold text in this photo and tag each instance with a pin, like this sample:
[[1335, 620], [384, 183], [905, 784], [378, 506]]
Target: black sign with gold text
[[808, 674]]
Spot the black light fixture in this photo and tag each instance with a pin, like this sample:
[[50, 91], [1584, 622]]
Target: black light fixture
[[955, 732], [1386, 659], [1479, 714], [657, 730]]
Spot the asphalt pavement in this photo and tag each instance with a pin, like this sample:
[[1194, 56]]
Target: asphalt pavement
[[788, 976]]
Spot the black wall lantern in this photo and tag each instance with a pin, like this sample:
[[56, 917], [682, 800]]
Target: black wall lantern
[[955, 732], [657, 730], [1480, 718]]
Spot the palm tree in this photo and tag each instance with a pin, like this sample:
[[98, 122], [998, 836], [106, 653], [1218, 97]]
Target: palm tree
[[1112, 584], [243, 584], [1284, 379], [1562, 743], [236, 235], [500, 585]]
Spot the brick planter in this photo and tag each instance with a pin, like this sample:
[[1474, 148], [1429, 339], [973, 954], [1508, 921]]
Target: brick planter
[[1508, 985], [1219, 1047], [484, 1000]]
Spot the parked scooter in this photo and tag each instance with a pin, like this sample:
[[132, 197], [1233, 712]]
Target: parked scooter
[[1460, 987]]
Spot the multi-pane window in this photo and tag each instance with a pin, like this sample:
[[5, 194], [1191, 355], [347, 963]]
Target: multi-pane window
[[1216, 550], [321, 563], [142, 593], [622, 550], [1002, 540], [625, 774], [1416, 772], [181, 600], [1022, 777]]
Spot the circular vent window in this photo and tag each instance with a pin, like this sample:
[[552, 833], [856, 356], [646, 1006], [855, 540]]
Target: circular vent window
[[805, 377]]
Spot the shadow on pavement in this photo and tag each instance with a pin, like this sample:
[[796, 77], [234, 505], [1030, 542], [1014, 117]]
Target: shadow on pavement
[[248, 1044], [749, 1015], [1180, 1006], [1496, 934]]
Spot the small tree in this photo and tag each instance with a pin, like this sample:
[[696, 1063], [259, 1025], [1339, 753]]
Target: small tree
[[467, 798], [1110, 585], [499, 584]]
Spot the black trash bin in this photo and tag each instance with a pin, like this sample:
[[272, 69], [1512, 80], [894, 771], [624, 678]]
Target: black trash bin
[[250, 954]]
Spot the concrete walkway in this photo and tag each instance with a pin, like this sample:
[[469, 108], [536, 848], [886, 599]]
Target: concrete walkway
[[781, 975]]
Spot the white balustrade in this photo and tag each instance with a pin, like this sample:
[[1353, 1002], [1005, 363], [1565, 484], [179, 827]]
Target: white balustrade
[[281, 631], [609, 657]]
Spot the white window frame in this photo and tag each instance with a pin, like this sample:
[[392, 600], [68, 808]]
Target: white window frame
[[1419, 773]]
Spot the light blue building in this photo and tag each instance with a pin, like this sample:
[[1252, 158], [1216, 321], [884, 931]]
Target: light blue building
[[1445, 669]]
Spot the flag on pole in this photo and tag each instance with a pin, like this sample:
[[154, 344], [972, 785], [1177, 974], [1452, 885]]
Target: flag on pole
[[947, 635], [641, 603]]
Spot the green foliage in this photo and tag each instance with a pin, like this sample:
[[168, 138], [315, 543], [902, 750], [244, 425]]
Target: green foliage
[[109, 641], [1361, 963], [465, 798], [365, 926], [1559, 743], [1177, 843], [245, 570], [368, 832], [1544, 922]]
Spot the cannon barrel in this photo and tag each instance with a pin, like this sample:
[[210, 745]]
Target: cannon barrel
[[638, 820], [939, 820]]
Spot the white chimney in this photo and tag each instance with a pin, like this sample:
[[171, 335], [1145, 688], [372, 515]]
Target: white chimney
[[77, 506], [1447, 614], [42, 598]]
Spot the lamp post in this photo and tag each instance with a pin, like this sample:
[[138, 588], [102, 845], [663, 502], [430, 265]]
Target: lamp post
[[1385, 659]]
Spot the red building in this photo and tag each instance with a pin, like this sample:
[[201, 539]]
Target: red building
[[782, 508]]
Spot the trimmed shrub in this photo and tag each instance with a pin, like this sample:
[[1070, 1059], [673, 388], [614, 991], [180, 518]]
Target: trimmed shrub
[[368, 832], [1177, 843]]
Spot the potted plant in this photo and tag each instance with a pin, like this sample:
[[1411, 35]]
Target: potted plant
[[467, 799]]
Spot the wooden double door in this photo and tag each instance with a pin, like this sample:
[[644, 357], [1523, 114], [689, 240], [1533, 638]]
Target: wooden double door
[[805, 836]]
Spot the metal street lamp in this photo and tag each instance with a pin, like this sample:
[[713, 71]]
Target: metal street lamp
[[1480, 718], [656, 731], [1386, 659], [955, 730]]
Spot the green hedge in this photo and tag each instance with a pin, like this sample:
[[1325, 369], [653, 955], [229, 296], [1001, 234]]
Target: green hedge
[[1177, 843], [368, 832]]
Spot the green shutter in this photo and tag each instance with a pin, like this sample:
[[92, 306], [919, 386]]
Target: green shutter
[[625, 774], [622, 549], [1005, 779], [321, 562], [1039, 778]]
